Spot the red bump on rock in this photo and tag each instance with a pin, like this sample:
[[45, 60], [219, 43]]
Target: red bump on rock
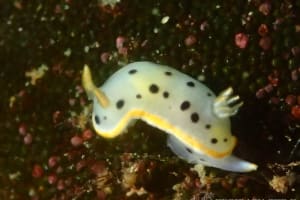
[[60, 184], [97, 167], [274, 100], [241, 181], [104, 57], [268, 88], [260, 93], [263, 30], [22, 129], [52, 161], [76, 141], [87, 134], [52, 178], [120, 42], [27, 139], [80, 165], [294, 75], [265, 43], [241, 40], [57, 117], [123, 51], [59, 170], [290, 100], [37, 171], [265, 8], [190, 40], [296, 112]]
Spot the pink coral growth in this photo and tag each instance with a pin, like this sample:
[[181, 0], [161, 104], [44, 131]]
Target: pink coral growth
[[241, 40]]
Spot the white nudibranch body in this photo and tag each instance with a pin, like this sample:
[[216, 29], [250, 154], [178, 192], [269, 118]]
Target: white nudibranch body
[[196, 120]]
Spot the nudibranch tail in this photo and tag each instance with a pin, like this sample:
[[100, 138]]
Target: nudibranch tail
[[222, 104], [91, 89], [229, 163]]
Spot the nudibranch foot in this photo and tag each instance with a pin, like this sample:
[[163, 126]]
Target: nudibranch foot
[[226, 105], [229, 163]]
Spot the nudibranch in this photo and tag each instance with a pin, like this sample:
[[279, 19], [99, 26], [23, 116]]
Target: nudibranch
[[196, 120]]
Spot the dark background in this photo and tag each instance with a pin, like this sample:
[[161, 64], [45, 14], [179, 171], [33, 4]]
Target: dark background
[[48, 149]]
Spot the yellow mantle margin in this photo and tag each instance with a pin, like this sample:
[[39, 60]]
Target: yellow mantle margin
[[153, 119]]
